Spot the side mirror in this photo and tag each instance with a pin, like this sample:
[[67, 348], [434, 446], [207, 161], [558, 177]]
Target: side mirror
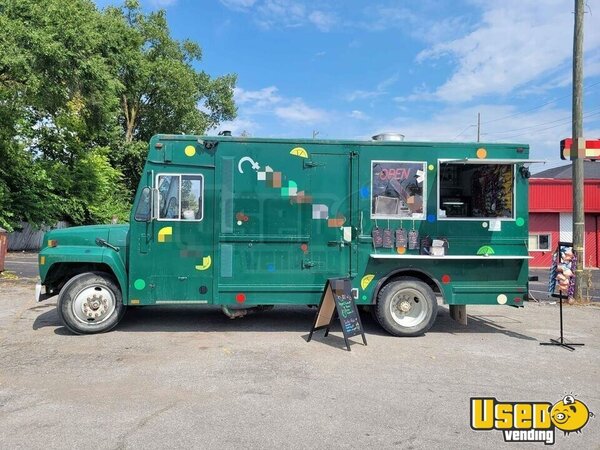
[[143, 211]]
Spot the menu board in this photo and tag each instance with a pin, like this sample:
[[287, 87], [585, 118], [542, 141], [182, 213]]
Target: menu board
[[337, 301]]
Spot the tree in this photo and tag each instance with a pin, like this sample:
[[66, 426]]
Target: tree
[[81, 92]]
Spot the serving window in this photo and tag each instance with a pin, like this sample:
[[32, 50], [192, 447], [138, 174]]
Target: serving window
[[473, 191], [397, 189]]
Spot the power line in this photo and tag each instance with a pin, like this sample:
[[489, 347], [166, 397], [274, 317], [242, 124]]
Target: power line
[[544, 129], [541, 124], [537, 107]]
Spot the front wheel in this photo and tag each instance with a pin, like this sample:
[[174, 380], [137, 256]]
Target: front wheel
[[406, 307], [90, 303]]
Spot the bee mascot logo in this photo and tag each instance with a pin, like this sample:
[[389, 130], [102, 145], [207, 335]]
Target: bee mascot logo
[[529, 421]]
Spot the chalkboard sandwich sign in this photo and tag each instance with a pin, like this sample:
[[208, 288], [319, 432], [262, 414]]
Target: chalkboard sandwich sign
[[337, 301]]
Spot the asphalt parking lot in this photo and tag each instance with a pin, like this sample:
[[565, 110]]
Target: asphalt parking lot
[[192, 378]]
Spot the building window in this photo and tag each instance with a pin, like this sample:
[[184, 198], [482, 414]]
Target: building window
[[539, 242], [397, 189], [180, 197], [474, 191]]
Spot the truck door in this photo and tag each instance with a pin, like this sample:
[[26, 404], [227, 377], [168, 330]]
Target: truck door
[[183, 247], [331, 224], [171, 255]]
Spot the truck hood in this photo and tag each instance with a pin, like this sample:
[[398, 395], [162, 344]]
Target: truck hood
[[87, 235]]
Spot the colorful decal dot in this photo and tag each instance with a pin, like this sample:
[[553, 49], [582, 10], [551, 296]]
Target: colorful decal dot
[[445, 279], [239, 222], [520, 221], [139, 284], [502, 299], [271, 267], [401, 250], [431, 218], [240, 298], [481, 153], [431, 167], [484, 224], [190, 151], [304, 248], [364, 297], [364, 192]]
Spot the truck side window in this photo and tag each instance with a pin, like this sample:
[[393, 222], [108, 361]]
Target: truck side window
[[192, 190], [180, 197], [168, 194], [397, 189], [142, 212]]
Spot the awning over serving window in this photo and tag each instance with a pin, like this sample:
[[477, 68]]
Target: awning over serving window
[[491, 161]]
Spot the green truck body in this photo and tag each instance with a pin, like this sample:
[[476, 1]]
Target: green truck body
[[243, 222]]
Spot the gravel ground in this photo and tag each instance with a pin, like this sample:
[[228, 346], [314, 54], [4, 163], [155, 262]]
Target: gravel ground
[[191, 378]]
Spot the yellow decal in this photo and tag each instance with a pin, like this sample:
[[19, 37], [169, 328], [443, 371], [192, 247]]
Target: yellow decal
[[190, 151], [42, 260], [206, 262], [299, 151], [134, 302], [165, 234], [481, 153], [366, 280]]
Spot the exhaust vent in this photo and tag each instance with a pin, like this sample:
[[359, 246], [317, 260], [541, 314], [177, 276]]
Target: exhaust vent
[[388, 137]]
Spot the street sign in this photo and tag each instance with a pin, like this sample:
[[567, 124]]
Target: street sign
[[591, 151]]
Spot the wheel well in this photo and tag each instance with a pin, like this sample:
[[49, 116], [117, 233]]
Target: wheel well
[[60, 273], [418, 274]]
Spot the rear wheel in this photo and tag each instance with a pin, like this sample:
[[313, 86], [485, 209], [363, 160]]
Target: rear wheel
[[406, 307], [91, 303]]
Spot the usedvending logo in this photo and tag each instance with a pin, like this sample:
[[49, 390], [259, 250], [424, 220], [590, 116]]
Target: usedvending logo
[[529, 421]]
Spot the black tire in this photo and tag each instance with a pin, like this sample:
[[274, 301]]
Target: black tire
[[419, 302], [90, 303]]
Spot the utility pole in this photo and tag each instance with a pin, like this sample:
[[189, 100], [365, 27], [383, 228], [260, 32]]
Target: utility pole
[[478, 125], [578, 148]]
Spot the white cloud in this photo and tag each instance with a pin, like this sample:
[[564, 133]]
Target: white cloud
[[358, 115], [517, 42], [283, 13], [322, 20], [258, 99], [298, 111], [162, 3], [238, 4], [380, 89]]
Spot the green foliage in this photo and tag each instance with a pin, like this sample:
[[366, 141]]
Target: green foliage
[[82, 91]]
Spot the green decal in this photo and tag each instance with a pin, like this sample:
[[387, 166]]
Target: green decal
[[139, 284], [485, 250], [520, 221]]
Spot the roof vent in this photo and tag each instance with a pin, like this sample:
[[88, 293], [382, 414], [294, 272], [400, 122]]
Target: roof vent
[[225, 133], [388, 137]]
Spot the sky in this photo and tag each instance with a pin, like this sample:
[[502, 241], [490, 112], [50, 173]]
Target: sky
[[349, 69]]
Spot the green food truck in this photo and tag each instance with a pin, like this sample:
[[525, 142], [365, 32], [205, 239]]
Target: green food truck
[[246, 222]]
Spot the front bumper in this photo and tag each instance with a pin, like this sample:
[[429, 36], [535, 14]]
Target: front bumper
[[41, 293]]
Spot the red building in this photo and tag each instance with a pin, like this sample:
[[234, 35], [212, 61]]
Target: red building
[[551, 213]]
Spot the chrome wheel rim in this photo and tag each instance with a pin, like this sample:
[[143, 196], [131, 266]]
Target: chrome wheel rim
[[94, 304], [409, 307]]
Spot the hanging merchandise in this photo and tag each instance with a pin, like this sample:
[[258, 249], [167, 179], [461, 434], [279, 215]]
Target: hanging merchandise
[[388, 241], [413, 240], [401, 238], [377, 237]]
